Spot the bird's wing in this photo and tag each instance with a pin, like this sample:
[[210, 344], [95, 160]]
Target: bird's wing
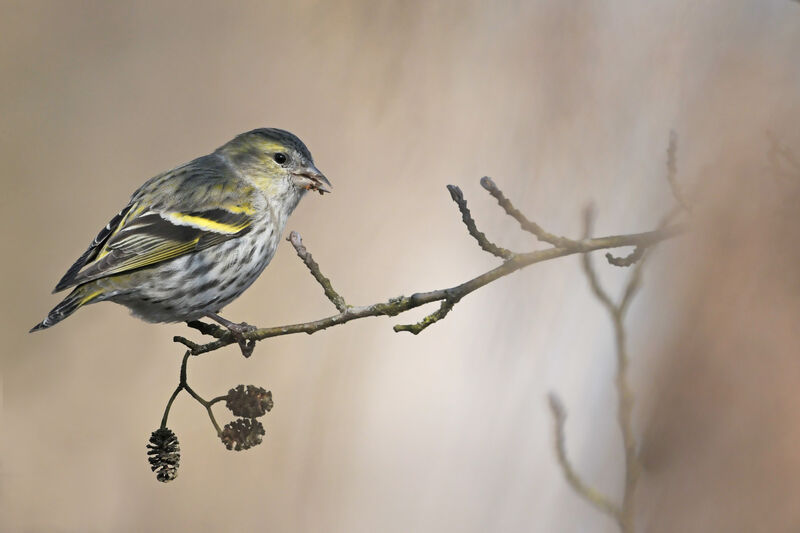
[[177, 213]]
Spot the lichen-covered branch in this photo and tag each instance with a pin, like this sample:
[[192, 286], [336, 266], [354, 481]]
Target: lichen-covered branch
[[437, 315]]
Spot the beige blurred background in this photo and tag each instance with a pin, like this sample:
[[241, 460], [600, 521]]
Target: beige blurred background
[[562, 103]]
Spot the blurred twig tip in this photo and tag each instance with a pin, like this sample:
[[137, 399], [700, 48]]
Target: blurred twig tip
[[556, 406]]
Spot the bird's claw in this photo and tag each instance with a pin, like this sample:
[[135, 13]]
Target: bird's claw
[[238, 332], [247, 346]]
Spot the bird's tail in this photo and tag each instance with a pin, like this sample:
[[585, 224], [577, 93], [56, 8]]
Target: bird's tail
[[79, 297]]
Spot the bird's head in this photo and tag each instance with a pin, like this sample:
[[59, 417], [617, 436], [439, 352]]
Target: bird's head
[[276, 161]]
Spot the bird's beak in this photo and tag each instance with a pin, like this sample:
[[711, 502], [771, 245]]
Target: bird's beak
[[311, 179]]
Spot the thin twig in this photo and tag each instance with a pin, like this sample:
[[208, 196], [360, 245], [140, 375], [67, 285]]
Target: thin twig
[[466, 216], [527, 225], [177, 391], [672, 172], [591, 495], [594, 283], [313, 267], [193, 346], [437, 315], [633, 285], [625, 399], [205, 404], [217, 399], [184, 385]]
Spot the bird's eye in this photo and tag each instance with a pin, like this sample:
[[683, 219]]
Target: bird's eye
[[280, 158]]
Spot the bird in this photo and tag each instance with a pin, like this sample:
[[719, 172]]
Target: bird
[[193, 239]]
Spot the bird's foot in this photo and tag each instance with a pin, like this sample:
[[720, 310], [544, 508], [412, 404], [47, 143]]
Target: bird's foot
[[238, 332]]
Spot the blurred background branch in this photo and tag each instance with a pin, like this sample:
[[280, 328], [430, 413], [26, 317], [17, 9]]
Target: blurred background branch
[[623, 514]]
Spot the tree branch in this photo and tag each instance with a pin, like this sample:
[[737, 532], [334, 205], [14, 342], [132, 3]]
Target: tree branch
[[252, 402], [623, 513], [591, 495], [466, 216], [395, 306], [625, 399], [437, 315], [527, 225], [312, 265], [672, 173]]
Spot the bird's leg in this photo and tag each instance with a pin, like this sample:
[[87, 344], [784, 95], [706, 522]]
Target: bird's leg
[[238, 331]]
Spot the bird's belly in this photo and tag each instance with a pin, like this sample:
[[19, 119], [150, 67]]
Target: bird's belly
[[189, 287]]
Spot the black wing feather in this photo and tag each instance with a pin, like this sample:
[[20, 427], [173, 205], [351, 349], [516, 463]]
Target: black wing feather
[[97, 244]]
